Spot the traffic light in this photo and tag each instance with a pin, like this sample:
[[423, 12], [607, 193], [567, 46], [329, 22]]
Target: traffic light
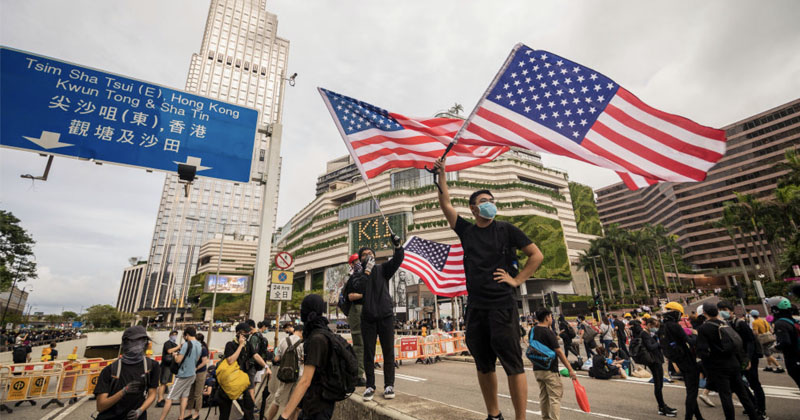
[[739, 291], [548, 300], [555, 299], [597, 299]]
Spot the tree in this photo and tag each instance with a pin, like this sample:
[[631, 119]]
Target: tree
[[659, 236], [751, 210], [614, 239], [16, 252], [638, 239], [103, 316], [69, 316]]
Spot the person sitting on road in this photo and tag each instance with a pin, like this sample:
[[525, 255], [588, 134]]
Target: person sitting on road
[[604, 368]]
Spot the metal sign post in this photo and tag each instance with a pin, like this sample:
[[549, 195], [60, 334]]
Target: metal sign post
[[280, 290]]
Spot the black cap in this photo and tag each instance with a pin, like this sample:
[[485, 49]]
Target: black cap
[[134, 333], [243, 326]]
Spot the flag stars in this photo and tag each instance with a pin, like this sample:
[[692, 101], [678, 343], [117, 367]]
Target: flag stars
[[576, 100], [610, 86], [539, 107], [521, 64], [560, 125], [516, 82], [547, 94], [584, 89], [531, 88], [560, 92], [524, 72], [535, 97], [543, 85], [527, 108], [555, 82], [580, 79], [539, 76], [528, 80], [551, 104], [519, 91], [575, 134], [580, 111], [583, 123], [567, 81], [592, 110], [563, 71], [523, 100], [571, 124], [543, 56], [535, 68], [513, 103], [560, 62], [576, 69], [547, 65], [555, 114], [601, 98], [563, 102], [506, 86], [551, 73], [597, 88], [593, 76], [513, 75], [543, 117], [509, 94]]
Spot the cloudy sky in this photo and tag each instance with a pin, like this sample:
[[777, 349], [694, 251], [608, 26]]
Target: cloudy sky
[[715, 62]]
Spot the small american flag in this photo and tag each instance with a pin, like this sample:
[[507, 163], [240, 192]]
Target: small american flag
[[540, 101], [440, 266], [379, 140]]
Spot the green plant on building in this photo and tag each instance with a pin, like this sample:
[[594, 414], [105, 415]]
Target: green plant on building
[[586, 215], [548, 235]]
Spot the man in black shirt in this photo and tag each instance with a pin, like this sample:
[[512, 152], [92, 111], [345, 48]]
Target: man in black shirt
[[489, 261], [377, 316], [308, 392], [550, 389], [166, 360], [722, 365], [679, 351], [786, 335], [751, 348], [240, 351], [354, 292], [126, 388]]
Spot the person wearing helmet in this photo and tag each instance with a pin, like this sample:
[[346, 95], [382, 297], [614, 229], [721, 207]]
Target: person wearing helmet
[[763, 331], [354, 293], [676, 348], [787, 335]]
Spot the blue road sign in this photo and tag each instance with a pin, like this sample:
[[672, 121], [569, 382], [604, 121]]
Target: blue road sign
[[50, 106]]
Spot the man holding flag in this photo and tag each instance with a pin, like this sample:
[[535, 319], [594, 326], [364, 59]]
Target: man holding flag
[[492, 319]]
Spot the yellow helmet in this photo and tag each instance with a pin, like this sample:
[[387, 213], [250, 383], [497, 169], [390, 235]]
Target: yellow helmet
[[627, 315], [645, 316], [674, 306]]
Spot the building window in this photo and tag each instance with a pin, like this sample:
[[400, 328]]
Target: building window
[[414, 178], [356, 210]]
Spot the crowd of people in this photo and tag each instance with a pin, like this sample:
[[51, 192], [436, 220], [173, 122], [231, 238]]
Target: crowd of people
[[33, 338], [313, 367]]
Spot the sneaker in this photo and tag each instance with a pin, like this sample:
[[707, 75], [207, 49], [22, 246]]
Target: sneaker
[[388, 393], [361, 382], [498, 417], [160, 404], [667, 412], [369, 394], [779, 370], [706, 400], [768, 369]]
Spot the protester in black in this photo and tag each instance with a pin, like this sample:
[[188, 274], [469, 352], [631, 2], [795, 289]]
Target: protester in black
[[166, 360], [585, 334], [377, 316], [753, 350], [239, 351], [679, 351], [786, 336], [126, 388], [308, 392], [650, 342], [566, 333], [492, 319], [621, 333], [722, 365]]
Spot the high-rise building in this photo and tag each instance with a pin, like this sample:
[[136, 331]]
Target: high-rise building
[[131, 287], [755, 145], [241, 60]]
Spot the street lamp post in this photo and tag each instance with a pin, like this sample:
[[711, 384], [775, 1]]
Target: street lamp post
[[216, 283]]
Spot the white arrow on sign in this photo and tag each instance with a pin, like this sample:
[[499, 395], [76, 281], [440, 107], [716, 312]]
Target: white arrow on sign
[[48, 140], [193, 161]]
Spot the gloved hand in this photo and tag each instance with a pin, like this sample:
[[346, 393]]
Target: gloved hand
[[134, 414], [369, 264], [396, 241], [134, 387]]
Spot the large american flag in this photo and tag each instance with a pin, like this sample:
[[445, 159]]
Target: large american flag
[[543, 102], [379, 140], [440, 266]]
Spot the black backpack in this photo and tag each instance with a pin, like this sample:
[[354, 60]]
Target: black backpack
[[341, 372], [263, 348], [639, 352], [344, 303], [174, 367], [670, 348], [289, 370], [732, 343], [20, 354]]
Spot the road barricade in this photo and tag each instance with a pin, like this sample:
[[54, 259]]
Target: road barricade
[[419, 348], [53, 381]]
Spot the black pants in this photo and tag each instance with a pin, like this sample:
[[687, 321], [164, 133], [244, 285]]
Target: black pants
[[793, 369], [371, 331], [691, 379], [325, 414], [589, 349], [225, 404], [622, 346], [755, 385], [657, 369], [728, 382]]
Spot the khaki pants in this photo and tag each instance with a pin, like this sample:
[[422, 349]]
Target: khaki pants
[[354, 319], [550, 392], [196, 397]]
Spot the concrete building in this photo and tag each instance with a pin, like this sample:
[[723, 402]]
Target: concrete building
[[339, 173], [755, 145], [131, 287], [241, 60], [14, 299], [238, 255], [340, 220]]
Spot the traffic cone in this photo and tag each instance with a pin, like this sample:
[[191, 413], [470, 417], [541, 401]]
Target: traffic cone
[[74, 355]]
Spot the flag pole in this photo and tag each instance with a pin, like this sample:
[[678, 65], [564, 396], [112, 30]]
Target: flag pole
[[378, 204]]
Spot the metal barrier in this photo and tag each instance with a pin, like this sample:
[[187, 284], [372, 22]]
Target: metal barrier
[[48, 380]]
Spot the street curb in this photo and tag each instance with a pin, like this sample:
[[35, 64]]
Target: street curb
[[403, 407]]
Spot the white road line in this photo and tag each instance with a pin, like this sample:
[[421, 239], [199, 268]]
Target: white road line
[[608, 416], [405, 377], [69, 410], [769, 390]]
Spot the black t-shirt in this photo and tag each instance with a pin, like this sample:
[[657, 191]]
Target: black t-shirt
[[547, 337], [203, 353], [167, 358], [483, 254], [315, 349], [355, 284], [128, 373], [231, 347], [53, 354]]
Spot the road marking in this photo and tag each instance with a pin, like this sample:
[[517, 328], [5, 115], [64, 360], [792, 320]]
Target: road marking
[[608, 416], [69, 410], [771, 391], [444, 403], [405, 377]]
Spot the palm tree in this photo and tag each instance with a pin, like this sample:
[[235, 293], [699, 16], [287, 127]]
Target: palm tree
[[637, 240], [672, 246], [626, 248], [649, 245], [750, 208], [585, 263], [456, 109], [597, 250], [659, 234], [613, 238], [726, 222]]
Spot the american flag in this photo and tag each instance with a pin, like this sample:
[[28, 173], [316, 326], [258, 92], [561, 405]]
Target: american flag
[[379, 140], [440, 266], [543, 102]]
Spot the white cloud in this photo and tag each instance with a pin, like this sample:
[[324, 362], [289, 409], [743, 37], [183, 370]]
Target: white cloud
[[714, 62]]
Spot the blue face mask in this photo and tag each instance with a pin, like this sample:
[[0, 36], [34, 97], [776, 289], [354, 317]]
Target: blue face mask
[[725, 314], [487, 210]]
